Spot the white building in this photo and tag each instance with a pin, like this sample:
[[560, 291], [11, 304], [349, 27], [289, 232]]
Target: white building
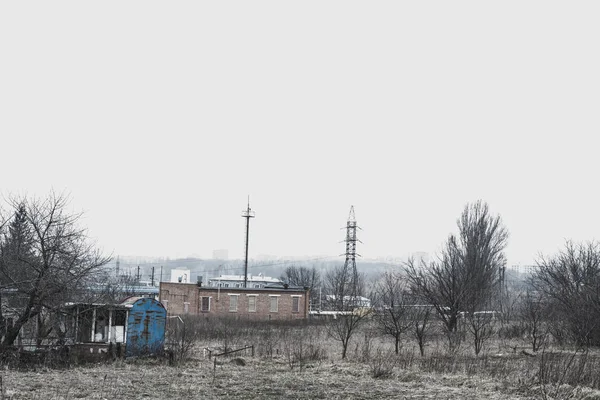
[[237, 281], [525, 269], [358, 301]]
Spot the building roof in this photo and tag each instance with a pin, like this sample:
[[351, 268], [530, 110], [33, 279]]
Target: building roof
[[355, 298], [98, 305], [130, 300], [126, 303], [279, 287], [251, 278]]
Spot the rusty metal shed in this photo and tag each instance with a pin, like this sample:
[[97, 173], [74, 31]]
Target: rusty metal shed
[[146, 327]]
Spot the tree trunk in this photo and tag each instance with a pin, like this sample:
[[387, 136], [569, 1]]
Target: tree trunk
[[478, 343], [421, 347], [452, 323], [13, 332]]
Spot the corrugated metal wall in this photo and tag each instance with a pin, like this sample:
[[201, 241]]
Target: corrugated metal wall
[[146, 328]]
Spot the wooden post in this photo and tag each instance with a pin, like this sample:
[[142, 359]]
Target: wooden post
[[93, 324], [110, 314], [125, 328], [214, 369], [76, 325]]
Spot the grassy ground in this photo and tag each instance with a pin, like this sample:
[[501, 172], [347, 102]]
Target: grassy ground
[[304, 363], [257, 379]]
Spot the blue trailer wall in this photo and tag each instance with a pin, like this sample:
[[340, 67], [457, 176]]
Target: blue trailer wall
[[146, 328]]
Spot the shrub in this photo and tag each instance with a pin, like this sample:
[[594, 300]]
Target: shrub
[[382, 364]]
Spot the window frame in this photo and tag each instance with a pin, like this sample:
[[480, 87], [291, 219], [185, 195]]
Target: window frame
[[296, 309], [202, 303], [236, 302], [276, 298], [252, 297]]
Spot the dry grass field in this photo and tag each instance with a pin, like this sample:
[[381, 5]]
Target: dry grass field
[[304, 363], [257, 379], [249, 377]]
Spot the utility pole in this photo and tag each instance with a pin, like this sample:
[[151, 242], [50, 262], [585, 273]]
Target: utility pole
[[138, 275], [161, 273], [152, 276], [248, 213]]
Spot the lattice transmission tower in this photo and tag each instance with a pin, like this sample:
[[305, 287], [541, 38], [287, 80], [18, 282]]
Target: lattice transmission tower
[[351, 239]]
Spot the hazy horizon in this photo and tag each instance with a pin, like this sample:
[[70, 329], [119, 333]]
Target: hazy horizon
[[159, 119]]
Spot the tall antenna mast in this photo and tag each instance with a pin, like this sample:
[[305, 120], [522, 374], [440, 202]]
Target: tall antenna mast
[[248, 213]]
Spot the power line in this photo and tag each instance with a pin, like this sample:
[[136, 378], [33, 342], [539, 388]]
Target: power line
[[183, 261], [288, 262], [200, 270], [148, 264]]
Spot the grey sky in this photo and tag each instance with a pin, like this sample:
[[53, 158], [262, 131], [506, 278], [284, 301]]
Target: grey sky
[[159, 118]]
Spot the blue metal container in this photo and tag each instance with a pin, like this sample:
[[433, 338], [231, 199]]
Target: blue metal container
[[146, 328]]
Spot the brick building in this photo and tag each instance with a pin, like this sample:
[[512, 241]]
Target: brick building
[[271, 302]]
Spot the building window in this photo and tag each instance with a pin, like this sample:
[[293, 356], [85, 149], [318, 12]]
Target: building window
[[274, 304], [237, 284], [295, 304], [226, 285], [186, 307], [205, 306], [233, 303], [256, 286], [251, 303]]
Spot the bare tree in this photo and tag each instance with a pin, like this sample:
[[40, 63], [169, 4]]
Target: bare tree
[[570, 281], [347, 288], [481, 326], [510, 311], [304, 277], [390, 302], [465, 276], [420, 317], [534, 312], [46, 259]]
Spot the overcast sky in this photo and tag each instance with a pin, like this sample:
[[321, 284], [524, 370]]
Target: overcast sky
[[160, 118]]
